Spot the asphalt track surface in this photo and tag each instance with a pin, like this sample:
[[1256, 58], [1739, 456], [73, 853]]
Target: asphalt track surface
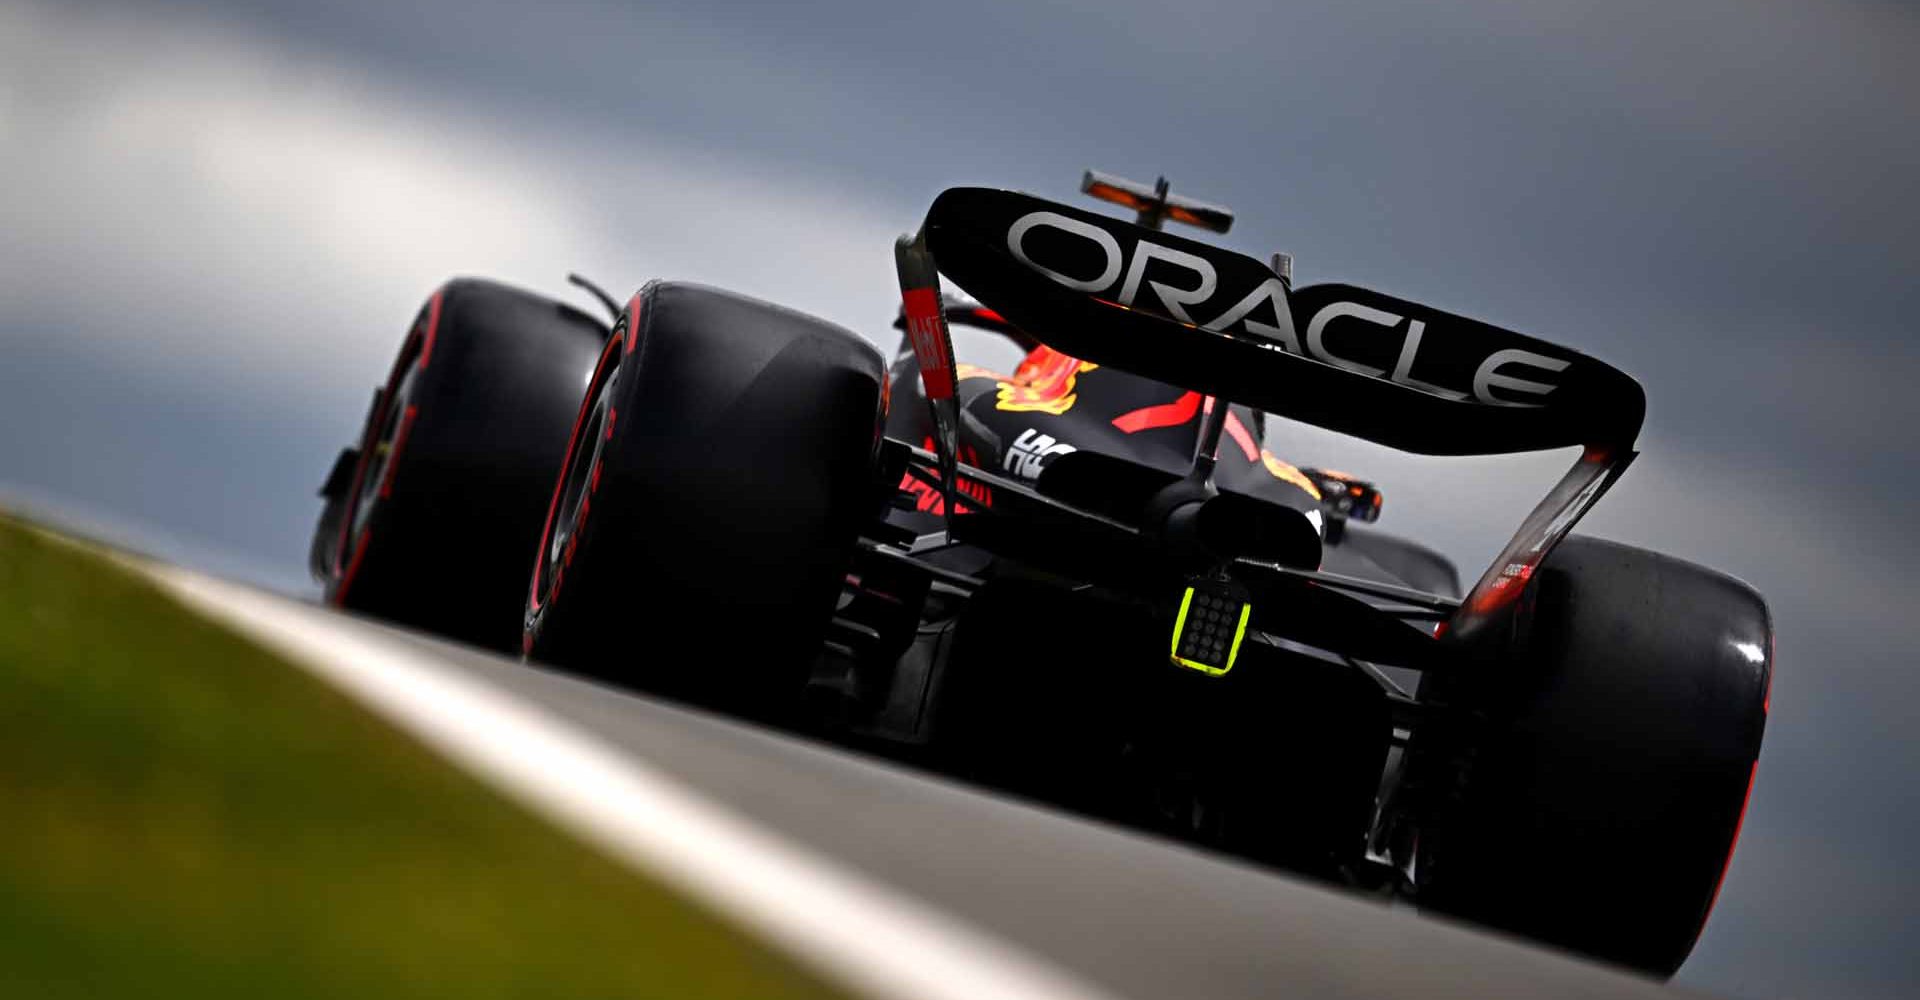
[[1132, 915]]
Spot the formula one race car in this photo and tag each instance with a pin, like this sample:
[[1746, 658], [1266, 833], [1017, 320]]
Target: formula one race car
[[1091, 581]]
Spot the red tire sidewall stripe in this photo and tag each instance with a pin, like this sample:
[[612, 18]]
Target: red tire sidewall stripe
[[433, 327], [624, 346], [1726, 864], [1746, 797], [353, 565], [347, 568]]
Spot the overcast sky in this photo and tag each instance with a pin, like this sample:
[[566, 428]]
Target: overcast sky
[[216, 220]]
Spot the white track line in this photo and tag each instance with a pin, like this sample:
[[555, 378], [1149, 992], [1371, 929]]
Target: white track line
[[857, 932]]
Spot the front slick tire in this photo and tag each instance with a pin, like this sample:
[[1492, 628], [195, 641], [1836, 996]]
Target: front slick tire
[[718, 472], [457, 460]]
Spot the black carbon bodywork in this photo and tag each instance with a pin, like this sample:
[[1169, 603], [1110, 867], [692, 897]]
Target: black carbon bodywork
[[1064, 294], [998, 418]]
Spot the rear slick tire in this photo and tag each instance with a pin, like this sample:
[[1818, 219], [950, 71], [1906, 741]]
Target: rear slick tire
[[717, 475], [456, 461], [1603, 799]]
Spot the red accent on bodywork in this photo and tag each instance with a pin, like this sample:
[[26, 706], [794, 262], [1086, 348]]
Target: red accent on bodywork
[[1044, 382], [924, 323], [1164, 415], [1236, 430], [927, 499], [1242, 437], [1504, 589]]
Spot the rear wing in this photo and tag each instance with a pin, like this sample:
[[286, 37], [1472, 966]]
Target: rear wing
[[1341, 357]]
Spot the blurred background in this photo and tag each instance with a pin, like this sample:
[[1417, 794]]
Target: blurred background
[[217, 220]]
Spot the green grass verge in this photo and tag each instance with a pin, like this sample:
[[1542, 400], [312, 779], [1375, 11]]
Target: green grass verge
[[182, 813]]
